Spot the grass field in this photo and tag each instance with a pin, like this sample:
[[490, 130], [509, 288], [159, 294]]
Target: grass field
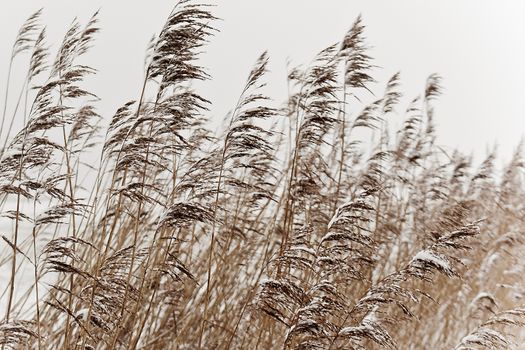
[[304, 223]]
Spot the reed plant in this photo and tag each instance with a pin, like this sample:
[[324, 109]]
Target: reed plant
[[286, 229]]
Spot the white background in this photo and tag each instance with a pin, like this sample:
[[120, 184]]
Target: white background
[[477, 46]]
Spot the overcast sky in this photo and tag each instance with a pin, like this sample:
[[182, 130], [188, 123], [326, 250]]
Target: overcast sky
[[477, 46]]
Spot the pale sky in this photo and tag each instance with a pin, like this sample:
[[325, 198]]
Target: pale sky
[[477, 46]]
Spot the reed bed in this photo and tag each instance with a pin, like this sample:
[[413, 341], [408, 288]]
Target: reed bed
[[284, 230]]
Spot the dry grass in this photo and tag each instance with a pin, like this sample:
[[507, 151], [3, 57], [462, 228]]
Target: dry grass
[[284, 231]]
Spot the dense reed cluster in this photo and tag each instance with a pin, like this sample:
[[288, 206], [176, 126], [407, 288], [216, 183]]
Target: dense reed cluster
[[307, 223]]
